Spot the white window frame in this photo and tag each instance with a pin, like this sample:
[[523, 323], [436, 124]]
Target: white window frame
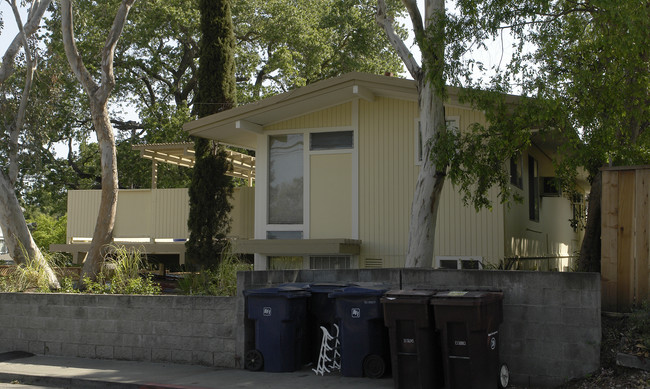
[[459, 260]]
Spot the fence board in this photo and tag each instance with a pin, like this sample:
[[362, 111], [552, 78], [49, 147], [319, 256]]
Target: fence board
[[642, 247], [625, 253], [625, 239], [609, 232]]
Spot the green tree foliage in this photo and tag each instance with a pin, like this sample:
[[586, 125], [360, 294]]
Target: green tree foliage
[[156, 69], [583, 71], [211, 189], [47, 229], [284, 44]]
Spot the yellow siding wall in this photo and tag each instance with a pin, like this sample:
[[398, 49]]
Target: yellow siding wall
[[243, 213], [387, 179], [338, 116], [552, 235], [154, 214], [387, 174], [171, 208], [460, 230], [83, 206], [134, 216], [330, 196]]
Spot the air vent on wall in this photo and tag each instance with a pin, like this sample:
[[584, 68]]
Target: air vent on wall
[[373, 263]]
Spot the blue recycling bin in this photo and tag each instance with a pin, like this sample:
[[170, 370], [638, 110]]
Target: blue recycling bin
[[363, 336], [280, 316]]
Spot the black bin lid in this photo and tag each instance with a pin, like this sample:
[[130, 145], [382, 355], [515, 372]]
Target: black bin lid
[[408, 296], [466, 298]]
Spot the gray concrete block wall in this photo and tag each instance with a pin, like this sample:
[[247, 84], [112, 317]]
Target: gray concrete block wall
[[551, 329], [551, 321], [180, 329]]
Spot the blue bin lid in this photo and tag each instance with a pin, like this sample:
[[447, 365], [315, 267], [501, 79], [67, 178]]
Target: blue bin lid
[[358, 291], [282, 291], [327, 287], [301, 285]]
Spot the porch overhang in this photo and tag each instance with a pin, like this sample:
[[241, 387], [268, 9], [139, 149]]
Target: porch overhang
[[293, 247], [182, 154]]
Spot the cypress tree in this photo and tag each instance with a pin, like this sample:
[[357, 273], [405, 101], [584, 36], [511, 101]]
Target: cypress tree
[[211, 189]]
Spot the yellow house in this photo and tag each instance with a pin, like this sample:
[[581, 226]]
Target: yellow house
[[154, 221], [337, 162]]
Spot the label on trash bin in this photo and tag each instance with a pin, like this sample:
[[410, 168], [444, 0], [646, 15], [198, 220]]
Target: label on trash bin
[[266, 311], [355, 313], [456, 294]]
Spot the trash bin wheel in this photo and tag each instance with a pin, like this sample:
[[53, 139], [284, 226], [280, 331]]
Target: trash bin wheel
[[504, 376], [254, 361], [374, 366]]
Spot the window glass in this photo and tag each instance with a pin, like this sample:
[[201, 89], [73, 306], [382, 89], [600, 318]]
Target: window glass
[[3, 247], [533, 190], [284, 235], [332, 140], [329, 262], [285, 263], [516, 172], [286, 179]]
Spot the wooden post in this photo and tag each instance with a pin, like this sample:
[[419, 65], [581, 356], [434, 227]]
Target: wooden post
[[154, 174]]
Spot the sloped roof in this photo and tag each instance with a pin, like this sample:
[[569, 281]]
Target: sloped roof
[[241, 125]]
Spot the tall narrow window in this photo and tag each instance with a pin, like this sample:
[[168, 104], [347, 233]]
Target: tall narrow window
[[516, 167], [533, 190], [286, 179]]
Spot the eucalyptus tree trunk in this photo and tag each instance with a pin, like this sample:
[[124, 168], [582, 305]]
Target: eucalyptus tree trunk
[[18, 238], [98, 95], [428, 189], [590, 250]]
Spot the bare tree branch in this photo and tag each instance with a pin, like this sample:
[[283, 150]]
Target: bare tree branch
[[71, 51], [19, 121], [398, 44], [108, 78], [33, 21]]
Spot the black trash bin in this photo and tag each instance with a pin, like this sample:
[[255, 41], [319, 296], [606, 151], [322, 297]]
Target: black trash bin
[[469, 325], [321, 312], [363, 336], [280, 314], [414, 342]]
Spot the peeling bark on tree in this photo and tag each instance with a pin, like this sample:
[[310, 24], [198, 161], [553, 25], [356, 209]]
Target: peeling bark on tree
[[18, 239], [428, 189], [98, 95], [17, 236]]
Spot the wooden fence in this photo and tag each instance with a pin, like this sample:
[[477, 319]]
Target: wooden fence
[[625, 237]]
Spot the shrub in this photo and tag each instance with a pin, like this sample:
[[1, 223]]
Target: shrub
[[28, 276], [120, 274], [220, 281]]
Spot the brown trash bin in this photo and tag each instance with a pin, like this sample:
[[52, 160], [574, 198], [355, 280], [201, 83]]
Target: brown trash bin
[[414, 342], [469, 325]]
